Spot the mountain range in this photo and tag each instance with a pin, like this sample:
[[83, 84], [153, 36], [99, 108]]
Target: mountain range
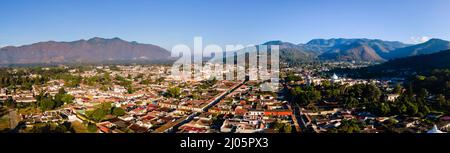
[[98, 50], [341, 49], [95, 50], [431, 46], [404, 67]]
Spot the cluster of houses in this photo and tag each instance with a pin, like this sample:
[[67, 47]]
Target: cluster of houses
[[148, 110], [55, 116], [330, 115], [249, 110]]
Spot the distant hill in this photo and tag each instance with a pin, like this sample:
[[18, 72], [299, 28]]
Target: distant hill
[[94, 50], [439, 60], [339, 49], [342, 49], [401, 67], [115, 50], [355, 49], [376, 44], [292, 53], [431, 46]]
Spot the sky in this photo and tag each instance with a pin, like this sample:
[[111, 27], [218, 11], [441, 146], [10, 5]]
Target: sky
[[170, 22]]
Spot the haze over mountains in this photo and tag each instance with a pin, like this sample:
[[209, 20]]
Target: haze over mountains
[[97, 50]]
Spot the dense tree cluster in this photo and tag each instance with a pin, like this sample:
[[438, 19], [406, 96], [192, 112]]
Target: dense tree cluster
[[48, 102], [104, 109], [282, 127], [173, 92], [419, 96], [66, 127], [20, 79]]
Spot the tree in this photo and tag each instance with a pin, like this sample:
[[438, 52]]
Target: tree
[[287, 128], [398, 89], [47, 104], [279, 126], [61, 91], [106, 107], [441, 100], [349, 126], [291, 77], [98, 114], [52, 128], [402, 109], [92, 128], [422, 93], [350, 102], [385, 109], [130, 89], [58, 100], [413, 109], [67, 99], [173, 92], [10, 102], [117, 111]]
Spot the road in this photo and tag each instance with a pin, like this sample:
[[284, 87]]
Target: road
[[298, 116], [300, 124], [205, 109]]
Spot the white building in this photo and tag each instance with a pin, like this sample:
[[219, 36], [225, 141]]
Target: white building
[[434, 130]]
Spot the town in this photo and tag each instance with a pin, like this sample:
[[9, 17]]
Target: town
[[146, 99]]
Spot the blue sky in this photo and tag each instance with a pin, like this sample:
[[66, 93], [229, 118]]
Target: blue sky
[[170, 22]]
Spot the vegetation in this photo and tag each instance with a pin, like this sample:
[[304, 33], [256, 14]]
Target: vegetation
[[92, 128], [173, 92], [282, 127], [117, 111], [422, 95], [66, 127], [349, 126], [291, 77], [48, 102], [103, 110]]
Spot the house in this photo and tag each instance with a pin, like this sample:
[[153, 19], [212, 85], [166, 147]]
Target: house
[[138, 129], [392, 97], [106, 127], [279, 112], [126, 117], [255, 114], [192, 129], [25, 100], [3, 91], [239, 110]]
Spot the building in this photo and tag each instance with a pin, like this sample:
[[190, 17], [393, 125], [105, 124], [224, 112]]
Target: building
[[392, 97], [434, 130]]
